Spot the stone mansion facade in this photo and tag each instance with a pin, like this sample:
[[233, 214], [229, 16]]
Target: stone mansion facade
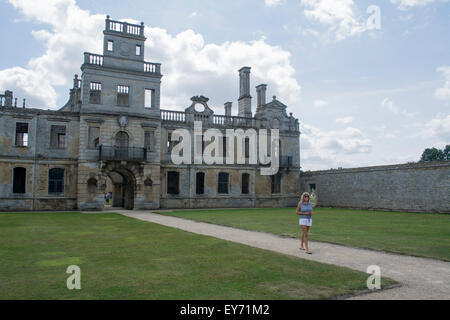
[[112, 136]]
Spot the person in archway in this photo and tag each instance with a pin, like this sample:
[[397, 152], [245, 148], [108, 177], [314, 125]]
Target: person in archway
[[305, 211]]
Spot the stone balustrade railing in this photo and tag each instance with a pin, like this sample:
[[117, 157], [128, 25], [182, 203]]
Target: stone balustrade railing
[[98, 60], [124, 27], [174, 116], [152, 67], [94, 59]]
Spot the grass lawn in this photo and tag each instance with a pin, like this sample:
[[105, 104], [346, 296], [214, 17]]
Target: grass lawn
[[123, 258], [418, 234]]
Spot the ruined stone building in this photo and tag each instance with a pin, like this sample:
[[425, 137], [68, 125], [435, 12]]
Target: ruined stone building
[[112, 136]]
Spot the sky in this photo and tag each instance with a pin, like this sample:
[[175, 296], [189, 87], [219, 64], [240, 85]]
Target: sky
[[368, 80]]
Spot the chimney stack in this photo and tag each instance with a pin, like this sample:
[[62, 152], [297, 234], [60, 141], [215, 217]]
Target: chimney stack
[[228, 107], [245, 99], [8, 98], [261, 94]]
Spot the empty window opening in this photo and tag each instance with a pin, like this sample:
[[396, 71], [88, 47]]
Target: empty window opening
[[245, 183], [247, 148], [58, 137], [223, 183], [276, 183], [149, 98], [93, 137], [110, 45], [92, 186], [122, 139], [173, 183], [312, 187], [56, 181], [123, 95], [22, 135], [95, 93], [19, 180], [149, 141], [138, 50], [200, 183]]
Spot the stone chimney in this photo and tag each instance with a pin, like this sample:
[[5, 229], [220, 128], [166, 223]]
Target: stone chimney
[[228, 107], [8, 98], [245, 99], [261, 95]]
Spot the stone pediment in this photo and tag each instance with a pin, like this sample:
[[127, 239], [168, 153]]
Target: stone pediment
[[276, 104], [272, 110], [204, 108]]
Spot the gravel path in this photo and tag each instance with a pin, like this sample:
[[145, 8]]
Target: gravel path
[[421, 278]]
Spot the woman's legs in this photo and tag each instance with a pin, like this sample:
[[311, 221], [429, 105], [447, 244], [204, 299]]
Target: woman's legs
[[302, 243], [306, 239]]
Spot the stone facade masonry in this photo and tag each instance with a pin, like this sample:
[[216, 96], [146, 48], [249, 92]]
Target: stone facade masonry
[[419, 187], [114, 138]]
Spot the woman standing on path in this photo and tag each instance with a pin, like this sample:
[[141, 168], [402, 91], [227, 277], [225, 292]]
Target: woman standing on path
[[305, 211]]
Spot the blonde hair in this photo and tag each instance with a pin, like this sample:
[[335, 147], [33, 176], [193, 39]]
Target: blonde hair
[[303, 197]]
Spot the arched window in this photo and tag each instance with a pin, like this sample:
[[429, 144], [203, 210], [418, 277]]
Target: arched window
[[19, 180], [56, 181], [200, 183], [92, 186], [122, 139]]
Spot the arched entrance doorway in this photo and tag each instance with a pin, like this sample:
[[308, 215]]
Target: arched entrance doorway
[[122, 187]]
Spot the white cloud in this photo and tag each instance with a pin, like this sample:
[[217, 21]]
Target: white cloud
[[408, 4], [339, 16], [345, 120], [438, 129], [444, 93], [389, 105], [273, 3], [323, 149], [320, 103], [190, 66]]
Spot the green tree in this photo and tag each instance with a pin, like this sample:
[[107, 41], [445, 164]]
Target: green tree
[[447, 152], [434, 154]]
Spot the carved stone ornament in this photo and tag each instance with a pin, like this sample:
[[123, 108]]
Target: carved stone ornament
[[123, 121]]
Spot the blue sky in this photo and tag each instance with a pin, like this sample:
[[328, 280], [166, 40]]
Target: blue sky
[[364, 96]]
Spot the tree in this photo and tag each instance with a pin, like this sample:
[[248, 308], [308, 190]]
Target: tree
[[447, 152], [435, 154]]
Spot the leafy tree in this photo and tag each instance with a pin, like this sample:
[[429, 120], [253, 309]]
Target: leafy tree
[[435, 154], [447, 152]]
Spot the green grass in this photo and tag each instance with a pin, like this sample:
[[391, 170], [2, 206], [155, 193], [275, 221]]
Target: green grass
[[418, 234], [124, 258]]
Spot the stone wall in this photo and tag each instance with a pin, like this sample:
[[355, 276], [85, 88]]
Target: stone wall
[[420, 187]]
